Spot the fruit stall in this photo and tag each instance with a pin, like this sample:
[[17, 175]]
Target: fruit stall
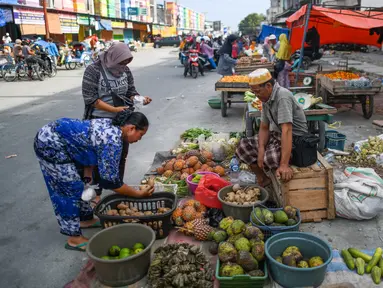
[[346, 87], [247, 64], [200, 230]]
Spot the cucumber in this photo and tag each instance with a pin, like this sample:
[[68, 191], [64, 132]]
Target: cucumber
[[348, 259], [376, 275], [360, 263], [381, 264], [356, 253], [375, 259]]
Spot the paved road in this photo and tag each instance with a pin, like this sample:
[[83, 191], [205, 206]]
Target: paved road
[[31, 248]]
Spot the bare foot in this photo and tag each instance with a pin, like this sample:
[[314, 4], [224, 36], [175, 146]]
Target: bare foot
[[84, 224], [77, 240]]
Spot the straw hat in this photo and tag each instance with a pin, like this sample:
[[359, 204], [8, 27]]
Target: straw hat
[[259, 76]]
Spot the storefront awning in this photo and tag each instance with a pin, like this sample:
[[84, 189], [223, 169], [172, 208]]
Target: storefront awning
[[54, 23], [28, 29]]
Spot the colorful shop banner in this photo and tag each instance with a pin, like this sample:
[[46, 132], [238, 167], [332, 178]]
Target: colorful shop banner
[[133, 11], [5, 16], [85, 20], [69, 24], [68, 5], [28, 16], [116, 24]]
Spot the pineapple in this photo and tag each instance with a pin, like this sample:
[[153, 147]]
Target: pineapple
[[192, 153], [202, 209], [202, 159], [199, 215], [201, 232], [188, 213], [192, 161], [177, 213], [208, 155], [179, 222]]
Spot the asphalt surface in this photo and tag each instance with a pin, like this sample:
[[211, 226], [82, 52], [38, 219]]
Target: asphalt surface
[[32, 250]]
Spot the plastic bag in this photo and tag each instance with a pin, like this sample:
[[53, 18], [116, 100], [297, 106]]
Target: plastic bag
[[360, 195], [246, 177], [89, 192], [207, 190], [218, 144], [139, 101], [215, 216]]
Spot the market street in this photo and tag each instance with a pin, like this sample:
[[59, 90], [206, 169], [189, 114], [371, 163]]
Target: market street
[[31, 247]]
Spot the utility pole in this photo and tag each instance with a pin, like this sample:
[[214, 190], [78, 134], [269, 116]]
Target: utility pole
[[46, 19]]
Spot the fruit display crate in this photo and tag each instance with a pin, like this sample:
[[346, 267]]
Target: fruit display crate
[[311, 190], [269, 231], [160, 223], [241, 281]]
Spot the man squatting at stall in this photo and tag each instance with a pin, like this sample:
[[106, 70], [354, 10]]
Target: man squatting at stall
[[281, 119]]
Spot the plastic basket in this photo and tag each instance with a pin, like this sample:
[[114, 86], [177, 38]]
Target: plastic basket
[[269, 231], [335, 140], [160, 223], [193, 186], [241, 281]]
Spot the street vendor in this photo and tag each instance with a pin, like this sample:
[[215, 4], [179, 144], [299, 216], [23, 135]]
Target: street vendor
[[66, 145], [282, 119], [226, 62]]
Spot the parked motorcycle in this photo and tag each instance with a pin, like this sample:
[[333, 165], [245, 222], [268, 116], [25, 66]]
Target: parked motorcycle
[[193, 65], [309, 55]]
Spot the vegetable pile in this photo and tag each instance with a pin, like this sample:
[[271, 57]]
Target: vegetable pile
[[243, 195], [194, 133], [180, 265], [342, 75], [116, 253], [286, 217], [357, 259], [293, 257], [125, 210], [240, 248]]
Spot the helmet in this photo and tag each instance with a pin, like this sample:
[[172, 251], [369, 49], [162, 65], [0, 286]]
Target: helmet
[[272, 37], [189, 39], [198, 39]]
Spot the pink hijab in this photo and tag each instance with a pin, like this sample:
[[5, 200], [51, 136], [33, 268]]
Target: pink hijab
[[112, 58], [266, 40]]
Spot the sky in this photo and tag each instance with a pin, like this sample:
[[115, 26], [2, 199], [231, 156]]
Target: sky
[[230, 12]]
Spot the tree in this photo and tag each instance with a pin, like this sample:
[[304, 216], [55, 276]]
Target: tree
[[250, 24]]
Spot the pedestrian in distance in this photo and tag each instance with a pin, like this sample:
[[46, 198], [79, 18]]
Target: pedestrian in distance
[[52, 50], [7, 39], [226, 63], [66, 147], [209, 52], [108, 88]]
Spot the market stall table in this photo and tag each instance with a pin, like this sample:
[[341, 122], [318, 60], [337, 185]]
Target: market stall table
[[228, 94], [316, 117]]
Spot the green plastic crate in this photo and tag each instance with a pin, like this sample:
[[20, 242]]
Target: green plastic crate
[[241, 281]]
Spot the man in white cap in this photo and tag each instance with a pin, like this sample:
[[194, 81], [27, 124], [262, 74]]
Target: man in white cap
[[282, 118], [7, 39]]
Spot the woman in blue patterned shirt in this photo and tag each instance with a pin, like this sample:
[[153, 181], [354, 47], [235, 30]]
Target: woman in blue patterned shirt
[[65, 145]]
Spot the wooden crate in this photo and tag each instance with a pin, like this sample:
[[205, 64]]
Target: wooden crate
[[311, 190]]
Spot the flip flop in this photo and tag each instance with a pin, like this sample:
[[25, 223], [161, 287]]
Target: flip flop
[[93, 226], [77, 247]]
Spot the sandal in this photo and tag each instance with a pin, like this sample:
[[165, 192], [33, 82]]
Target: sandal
[[77, 247], [93, 226]]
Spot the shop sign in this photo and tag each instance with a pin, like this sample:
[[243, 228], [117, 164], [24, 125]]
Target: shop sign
[[132, 11], [28, 16], [116, 24], [143, 11], [69, 24], [84, 20], [129, 25]]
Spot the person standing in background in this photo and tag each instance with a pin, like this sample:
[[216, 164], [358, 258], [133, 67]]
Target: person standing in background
[[52, 50], [226, 62], [18, 51], [282, 65], [7, 39]]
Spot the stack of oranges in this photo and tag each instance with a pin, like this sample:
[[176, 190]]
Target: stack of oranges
[[342, 75]]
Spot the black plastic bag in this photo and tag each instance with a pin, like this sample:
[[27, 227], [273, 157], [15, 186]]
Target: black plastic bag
[[215, 216]]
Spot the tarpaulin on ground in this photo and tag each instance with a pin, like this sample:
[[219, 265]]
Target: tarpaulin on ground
[[267, 30], [336, 26]]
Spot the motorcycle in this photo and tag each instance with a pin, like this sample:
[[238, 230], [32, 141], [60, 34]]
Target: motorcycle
[[132, 47], [51, 69], [193, 65], [309, 55]]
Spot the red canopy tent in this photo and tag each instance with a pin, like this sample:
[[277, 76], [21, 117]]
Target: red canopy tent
[[336, 26]]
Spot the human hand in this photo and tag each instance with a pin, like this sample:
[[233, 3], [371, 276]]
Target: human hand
[[120, 109], [147, 100], [285, 173], [146, 191]]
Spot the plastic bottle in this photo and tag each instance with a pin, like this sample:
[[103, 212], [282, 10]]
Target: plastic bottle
[[234, 170], [330, 157]]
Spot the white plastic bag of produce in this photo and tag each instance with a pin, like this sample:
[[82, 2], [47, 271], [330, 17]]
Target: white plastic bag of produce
[[360, 195], [218, 144], [89, 193]]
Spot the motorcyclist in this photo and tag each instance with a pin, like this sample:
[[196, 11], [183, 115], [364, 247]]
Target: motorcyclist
[[31, 58]]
